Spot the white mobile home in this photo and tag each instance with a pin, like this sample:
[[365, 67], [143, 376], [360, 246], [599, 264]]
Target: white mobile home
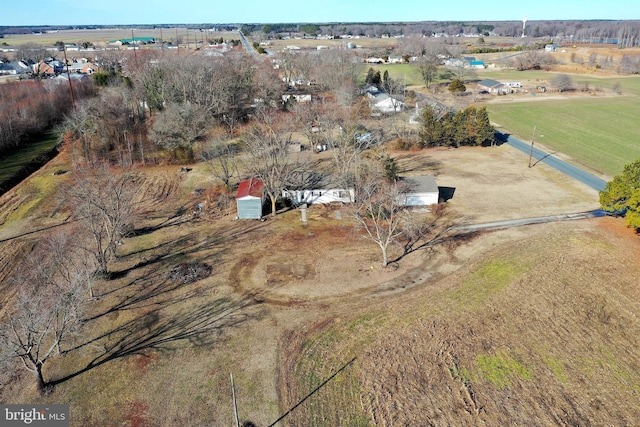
[[331, 195]]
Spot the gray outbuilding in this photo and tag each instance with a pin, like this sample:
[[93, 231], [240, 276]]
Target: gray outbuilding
[[250, 198]]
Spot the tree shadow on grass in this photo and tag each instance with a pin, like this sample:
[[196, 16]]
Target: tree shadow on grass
[[175, 220], [442, 237], [158, 330]]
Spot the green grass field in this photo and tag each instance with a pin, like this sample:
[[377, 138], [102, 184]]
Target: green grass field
[[601, 133], [27, 153]]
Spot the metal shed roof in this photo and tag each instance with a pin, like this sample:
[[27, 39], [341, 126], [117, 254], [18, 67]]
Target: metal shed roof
[[250, 188]]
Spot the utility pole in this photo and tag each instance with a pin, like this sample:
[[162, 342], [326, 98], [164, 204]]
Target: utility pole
[[66, 64], [133, 42], [532, 139], [235, 404]]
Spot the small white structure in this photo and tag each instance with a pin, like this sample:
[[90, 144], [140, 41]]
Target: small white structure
[[384, 103], [421, 191], [309, 197], [301, 98]]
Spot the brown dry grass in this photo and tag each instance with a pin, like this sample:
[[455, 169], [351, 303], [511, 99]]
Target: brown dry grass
[[316, 297]]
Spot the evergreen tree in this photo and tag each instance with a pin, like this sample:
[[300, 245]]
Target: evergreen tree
[[431, 130], [486, 133], [457, 86], [622, 194]]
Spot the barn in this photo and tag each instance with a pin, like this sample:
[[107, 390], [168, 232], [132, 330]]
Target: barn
[[421, 191], [250, 198]]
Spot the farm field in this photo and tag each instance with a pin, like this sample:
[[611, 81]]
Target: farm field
[[597, 132], [518, 336], [101, 37]]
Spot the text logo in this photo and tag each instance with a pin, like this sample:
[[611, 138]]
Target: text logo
[[34, 415]]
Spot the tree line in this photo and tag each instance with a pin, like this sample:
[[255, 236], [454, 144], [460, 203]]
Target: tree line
[[621, 32], [29, 108], [444, 128]]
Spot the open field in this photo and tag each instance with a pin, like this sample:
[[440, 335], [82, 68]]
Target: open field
[[597, 133], [274, 282], [537, 331], [101, 37]]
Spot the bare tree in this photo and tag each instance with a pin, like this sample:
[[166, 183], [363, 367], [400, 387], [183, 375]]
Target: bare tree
[[378, 210], [31, 52], [345, 138], [178, 127], [47, 309], [428, 70], [222, 157], [338, 72], [563, 82], [268, 143], [533, 60], [103, 199]]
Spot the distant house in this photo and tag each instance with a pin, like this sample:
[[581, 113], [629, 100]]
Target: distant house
[[477, 64], [82, 68], [44, 69], [494, 87], [133, 40], [421, 191], [551, 47], [384, 103], [396, 60], [374, 60], [14, 68], [250, 198]]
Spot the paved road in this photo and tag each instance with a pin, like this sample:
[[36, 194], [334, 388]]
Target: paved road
[[548, 158], [247, 45]]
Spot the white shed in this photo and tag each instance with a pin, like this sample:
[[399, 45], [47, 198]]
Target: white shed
[[421, 191]]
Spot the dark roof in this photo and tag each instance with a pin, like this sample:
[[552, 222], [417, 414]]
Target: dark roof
[[489, 83], [250, 187]]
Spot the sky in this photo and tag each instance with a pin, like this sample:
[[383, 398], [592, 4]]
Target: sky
[[123, 12]]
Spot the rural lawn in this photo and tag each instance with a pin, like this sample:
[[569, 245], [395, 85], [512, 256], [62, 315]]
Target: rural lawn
[[276, 287]]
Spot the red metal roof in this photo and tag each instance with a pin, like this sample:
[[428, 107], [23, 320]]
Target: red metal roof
[[250, 187]]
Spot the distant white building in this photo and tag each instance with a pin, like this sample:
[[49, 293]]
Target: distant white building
[[384, 103]]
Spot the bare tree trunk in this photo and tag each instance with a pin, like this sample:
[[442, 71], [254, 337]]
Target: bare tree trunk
[[273, 204], [42, 385], [385, 256]]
